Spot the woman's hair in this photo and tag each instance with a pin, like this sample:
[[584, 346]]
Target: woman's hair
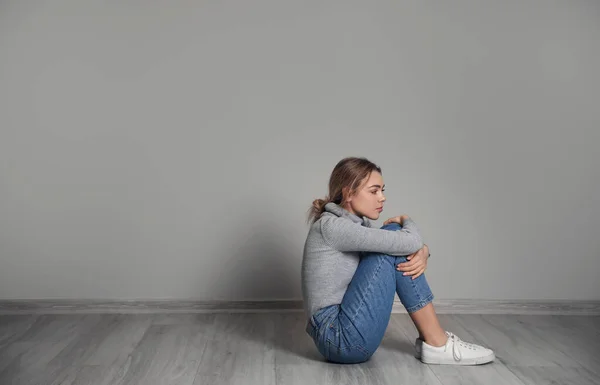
[[346, 175]]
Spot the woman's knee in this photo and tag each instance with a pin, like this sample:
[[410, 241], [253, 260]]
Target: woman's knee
[[390, 259], [392, 226]]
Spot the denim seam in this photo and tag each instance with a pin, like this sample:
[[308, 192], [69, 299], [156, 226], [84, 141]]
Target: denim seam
[[421, 304], [358, 309], [359, 347], [368, 288], [365, 351], [341, 330], [414, 286], [326, 315]]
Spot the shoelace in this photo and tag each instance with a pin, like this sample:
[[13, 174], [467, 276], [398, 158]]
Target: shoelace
[[456, 342]]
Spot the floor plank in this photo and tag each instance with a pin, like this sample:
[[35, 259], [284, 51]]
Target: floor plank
[[492, 373], [577, 337], [240, 350], [538, 375], [36, 350], [273, 348], [515, 343], [167, 354]]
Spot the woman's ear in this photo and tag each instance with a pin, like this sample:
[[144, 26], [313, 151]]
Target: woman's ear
[[347, 197]]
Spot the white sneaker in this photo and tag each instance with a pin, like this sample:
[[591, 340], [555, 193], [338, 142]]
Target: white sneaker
[[418, 347], [456, 352]]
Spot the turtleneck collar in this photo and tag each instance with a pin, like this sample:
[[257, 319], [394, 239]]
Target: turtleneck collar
[[342, 212]]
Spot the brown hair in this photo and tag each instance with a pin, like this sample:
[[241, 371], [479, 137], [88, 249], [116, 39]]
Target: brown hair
[[346, 176]]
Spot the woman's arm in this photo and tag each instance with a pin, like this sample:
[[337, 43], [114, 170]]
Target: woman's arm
[[345, 235]]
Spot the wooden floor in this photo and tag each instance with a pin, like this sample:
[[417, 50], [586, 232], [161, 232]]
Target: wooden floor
[[272, 348]]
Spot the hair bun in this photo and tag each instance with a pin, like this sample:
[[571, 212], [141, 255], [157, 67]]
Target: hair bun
[[319, 204]]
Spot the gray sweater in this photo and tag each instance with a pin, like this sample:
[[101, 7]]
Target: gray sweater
[[332, 251]]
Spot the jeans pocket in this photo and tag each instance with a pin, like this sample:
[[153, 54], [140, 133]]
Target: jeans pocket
[[344, 345], [346, 354]]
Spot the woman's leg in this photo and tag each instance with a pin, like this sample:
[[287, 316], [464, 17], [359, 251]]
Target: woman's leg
[[437, 346], [428, 325], [416, 296], [355, 332]]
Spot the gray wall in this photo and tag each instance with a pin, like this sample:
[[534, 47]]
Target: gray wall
[[171, 151]]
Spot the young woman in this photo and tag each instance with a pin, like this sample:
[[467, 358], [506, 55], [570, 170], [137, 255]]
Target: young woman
[[351, 271]]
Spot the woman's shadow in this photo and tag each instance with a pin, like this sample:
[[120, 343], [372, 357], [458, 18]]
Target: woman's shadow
[[267, 277]]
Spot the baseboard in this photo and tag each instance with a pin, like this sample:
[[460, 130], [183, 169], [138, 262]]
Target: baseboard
[[442, 306], [70, 306], [526, 307]]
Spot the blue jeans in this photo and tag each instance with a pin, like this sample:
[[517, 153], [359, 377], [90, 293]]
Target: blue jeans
[[351, 331]]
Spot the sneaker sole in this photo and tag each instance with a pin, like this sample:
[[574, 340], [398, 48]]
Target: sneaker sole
[[471, 361]]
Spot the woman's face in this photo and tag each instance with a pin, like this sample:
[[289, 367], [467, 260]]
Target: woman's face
[[368, 200]]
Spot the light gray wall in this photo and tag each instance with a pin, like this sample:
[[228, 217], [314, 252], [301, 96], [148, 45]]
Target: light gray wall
[[171, 151]]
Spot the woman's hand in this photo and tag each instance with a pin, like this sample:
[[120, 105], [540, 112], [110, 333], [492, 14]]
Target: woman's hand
[[399, 220], [416, 263]]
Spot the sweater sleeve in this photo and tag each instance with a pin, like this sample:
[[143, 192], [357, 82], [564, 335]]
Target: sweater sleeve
[[345, 235]]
